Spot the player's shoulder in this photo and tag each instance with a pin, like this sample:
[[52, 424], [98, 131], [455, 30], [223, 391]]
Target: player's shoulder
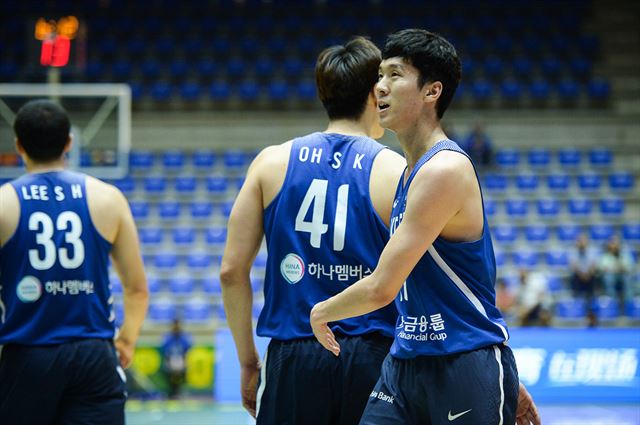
[[103, 191], [273, 156]]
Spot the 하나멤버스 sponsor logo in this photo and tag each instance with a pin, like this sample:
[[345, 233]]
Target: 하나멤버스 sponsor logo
[[29, 289], [292, 268]]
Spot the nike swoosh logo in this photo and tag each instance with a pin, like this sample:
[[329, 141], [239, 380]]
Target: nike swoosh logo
[[457, 415]]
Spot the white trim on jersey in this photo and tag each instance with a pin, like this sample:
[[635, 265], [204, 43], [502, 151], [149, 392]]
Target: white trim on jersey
[[3, 308], [463, 287], [263, 381], [498, 354]]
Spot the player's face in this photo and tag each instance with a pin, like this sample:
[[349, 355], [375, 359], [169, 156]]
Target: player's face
[[400, 100]]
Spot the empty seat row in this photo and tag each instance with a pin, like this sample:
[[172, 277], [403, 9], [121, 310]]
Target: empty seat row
[[552, 208], [559, 182], [508, 233], [541, 157]]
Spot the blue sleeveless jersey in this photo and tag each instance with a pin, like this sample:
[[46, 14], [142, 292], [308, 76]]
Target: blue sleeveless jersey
[[54, 284], [447, 304], [322, 235]]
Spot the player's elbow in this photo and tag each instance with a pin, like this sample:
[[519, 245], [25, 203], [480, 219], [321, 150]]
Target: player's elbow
[[231, 272], [380, 295]]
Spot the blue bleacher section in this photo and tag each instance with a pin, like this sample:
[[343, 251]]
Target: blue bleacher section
[[262, 52], [536, 202]]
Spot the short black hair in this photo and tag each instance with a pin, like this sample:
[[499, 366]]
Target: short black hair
[[435, 58], [345, 75], [42, 128]]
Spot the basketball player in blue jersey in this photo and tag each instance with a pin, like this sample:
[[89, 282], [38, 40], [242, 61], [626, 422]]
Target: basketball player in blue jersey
[[323, 201], [449, 363], [58, 358]]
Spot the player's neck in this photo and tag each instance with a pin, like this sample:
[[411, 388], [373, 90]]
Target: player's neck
[[418, 140], [347, 127], [43, 167]]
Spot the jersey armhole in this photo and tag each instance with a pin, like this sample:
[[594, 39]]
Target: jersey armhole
[[287, 174]]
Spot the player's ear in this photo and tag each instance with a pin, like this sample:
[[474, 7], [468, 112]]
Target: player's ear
[[19, 147], [67, 146]]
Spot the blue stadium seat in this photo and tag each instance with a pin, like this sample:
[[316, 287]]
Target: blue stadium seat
[[539, 158], [278, 91], [527, 182], [203, 159], [505, 233], [540, 90], [183, 235], [193, 47], [517, 208], [196, 311], [306, 91], [181, 285], [199, 260], [236, 68], [249, 91], [568, 232], [606, 308], [141, 160], [161, 91], [569, 157], [150, 69], [185, 185], [207, 69], [139, 209], [568, 90], [490, 207], [151, 235], [121, 70], [234, 159], [220, 91], [551, 68], [153, 283], [217, 184], [548, 207], [601, 232], [190, 91], [118, 311], [507, 157], [589, 182], [261, 260], [599, 90], [612, 207], [178, 69], [621, 181], [166, 260], [94, 71], [481, 90], [162, 311], [501, 258], [511, 89], [571, 309], [554, 284], [226, 208], [215, 235], [169, 210], [292, 68], [557, 258], [536, 233], [173, 159], [580, 207], [632, 308], [116, 285], [525, 258], [211, 285], [631, 232], [201, 209], [495, 182], [249, 46], [600, 157], [580, 68], [221, 47], [522, 66], [558, 182], [155, 185]]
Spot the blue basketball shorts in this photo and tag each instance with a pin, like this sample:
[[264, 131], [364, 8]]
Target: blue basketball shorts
[[302, 383], [79, 382], [470, 388]]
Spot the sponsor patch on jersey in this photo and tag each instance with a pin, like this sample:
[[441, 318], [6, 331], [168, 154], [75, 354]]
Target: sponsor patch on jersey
[[29, 289], [292, 268]]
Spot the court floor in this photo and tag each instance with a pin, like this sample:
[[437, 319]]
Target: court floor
[[192, 412]]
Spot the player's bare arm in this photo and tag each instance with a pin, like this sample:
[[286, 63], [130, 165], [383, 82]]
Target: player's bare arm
[[385, 172], [244, 236], [112, 217], [423, 222], [9, 212]]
